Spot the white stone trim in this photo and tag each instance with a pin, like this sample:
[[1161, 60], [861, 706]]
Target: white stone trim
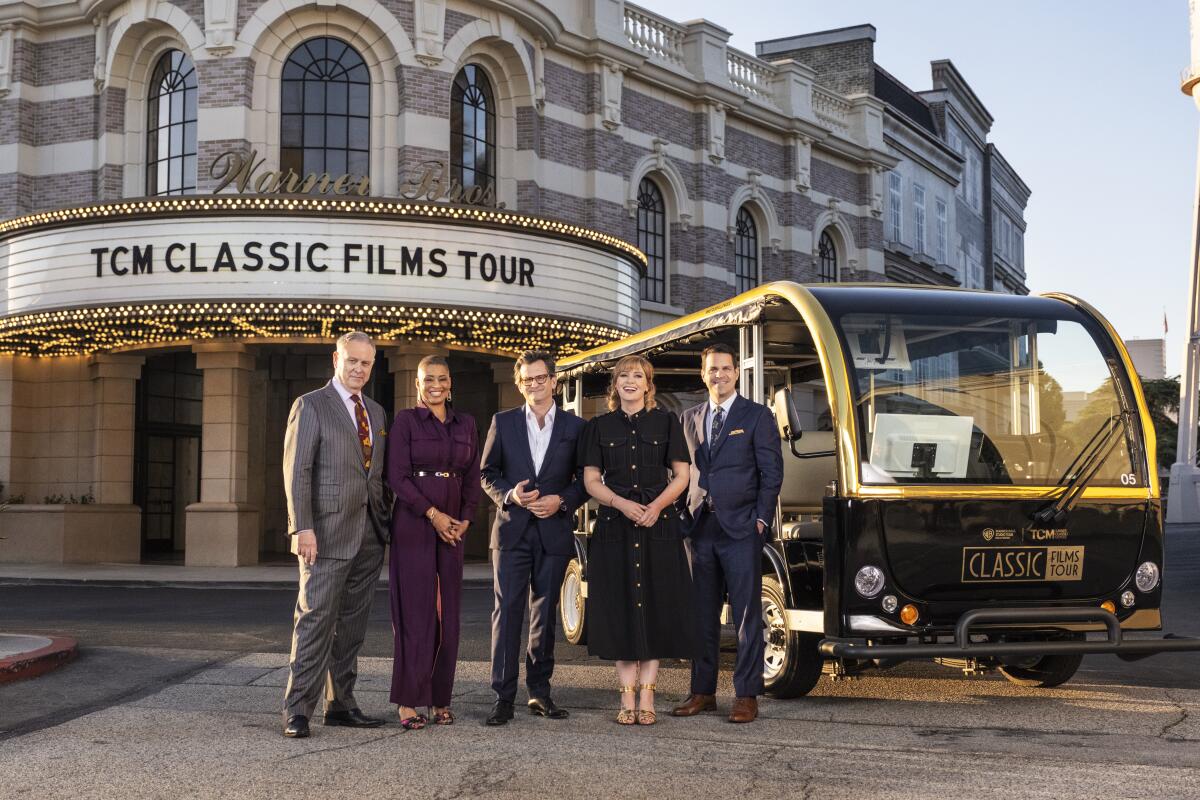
[[69, 90], [276, 20], [658, 164], [181, 25], [750, 194], [689, 269]]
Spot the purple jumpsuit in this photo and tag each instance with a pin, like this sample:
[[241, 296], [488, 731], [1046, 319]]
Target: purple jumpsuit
[[426, 626]]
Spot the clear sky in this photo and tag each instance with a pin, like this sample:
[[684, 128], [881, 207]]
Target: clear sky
[[1085, 96]]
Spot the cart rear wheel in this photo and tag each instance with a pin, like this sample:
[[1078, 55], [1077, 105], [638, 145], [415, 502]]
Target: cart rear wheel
[[1044, 672], [572, 606], [791, 661]]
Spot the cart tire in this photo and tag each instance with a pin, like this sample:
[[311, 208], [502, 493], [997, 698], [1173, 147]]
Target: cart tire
[[791, 661], [1046, 672], [572, 606]]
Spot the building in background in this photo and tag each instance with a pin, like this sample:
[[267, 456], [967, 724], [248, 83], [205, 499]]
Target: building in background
[[1149, 357], [197, 197], [953, 208]]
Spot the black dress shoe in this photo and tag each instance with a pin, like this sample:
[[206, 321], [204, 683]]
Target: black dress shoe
[[545, 707], [297, 727], [354, 718], [502, 712]]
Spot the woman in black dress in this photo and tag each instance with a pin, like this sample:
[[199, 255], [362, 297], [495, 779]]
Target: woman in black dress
[[635, 465]]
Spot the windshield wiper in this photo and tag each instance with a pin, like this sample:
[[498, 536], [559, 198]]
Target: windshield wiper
[[1081, 471]]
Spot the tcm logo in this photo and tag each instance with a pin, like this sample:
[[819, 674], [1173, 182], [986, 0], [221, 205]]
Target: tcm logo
[[998, 534], [1045, 534]]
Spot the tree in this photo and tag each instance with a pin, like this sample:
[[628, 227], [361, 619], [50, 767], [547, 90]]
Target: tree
[[1162, 397]]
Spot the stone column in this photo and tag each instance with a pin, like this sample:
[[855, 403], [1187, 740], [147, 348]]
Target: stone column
[[223, 528], [114, 402], [507, 394]]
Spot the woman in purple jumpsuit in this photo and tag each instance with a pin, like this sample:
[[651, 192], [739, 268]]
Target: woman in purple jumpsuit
[[433, 468]]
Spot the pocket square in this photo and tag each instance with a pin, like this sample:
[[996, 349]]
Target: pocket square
[[737, 431]]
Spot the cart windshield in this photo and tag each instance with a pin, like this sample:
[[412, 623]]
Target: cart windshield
[[956, 399]]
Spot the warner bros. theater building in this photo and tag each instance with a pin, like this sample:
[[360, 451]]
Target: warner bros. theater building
[[197, 197]]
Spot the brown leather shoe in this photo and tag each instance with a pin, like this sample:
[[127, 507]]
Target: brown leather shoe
[[694, 705], [745, 709]]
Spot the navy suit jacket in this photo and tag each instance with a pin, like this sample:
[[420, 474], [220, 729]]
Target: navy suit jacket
[[743, 472], [507, 461]]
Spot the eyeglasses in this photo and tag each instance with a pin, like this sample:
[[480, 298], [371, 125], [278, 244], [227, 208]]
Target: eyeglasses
[[540, 380]]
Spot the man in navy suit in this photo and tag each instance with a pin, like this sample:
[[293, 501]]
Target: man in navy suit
[[737, 470], [529, 471]]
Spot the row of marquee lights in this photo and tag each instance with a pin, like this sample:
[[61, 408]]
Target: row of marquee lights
[[400, 209], [79, 332]]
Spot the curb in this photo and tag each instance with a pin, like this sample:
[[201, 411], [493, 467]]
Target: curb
[[60, 651]]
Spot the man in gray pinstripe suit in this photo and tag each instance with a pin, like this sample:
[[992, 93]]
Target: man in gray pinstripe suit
[[333, 457]]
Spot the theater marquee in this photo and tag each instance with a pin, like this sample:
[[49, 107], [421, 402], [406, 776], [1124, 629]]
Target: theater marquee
[[287, 267]]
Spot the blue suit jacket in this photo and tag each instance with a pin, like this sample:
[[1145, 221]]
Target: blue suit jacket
[[507, 461], [742, 472]]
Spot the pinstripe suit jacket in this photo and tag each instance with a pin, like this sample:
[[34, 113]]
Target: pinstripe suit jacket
[[328, 489]]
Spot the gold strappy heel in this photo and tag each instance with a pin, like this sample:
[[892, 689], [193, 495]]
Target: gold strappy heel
[[647, 716], [627, 716]]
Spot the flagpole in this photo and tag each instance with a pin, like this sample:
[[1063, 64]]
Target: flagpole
[[1183, 504]]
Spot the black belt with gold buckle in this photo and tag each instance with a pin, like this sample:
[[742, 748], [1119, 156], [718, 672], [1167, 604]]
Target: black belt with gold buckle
[[424, 474]]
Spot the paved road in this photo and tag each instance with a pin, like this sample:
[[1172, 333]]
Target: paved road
[[176, 693]]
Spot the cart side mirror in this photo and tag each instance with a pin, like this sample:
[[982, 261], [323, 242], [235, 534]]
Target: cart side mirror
[[787, 419]]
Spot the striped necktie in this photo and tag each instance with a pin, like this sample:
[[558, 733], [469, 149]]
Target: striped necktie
[[718, 421], [364, 429]]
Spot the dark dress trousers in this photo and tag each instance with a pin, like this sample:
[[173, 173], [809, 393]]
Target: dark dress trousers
[[425, 584], [639, 588], [740, 473], [529, 555]]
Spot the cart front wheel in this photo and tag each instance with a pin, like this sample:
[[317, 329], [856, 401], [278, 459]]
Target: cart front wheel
[[572, 606], [791, 661]]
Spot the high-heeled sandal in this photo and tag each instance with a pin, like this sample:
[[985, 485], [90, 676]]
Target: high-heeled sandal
[[443, 717], [627, 716], [414, 723], [646, 716]]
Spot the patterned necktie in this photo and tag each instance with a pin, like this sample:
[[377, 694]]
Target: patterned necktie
[[718, 420], [364, 429]]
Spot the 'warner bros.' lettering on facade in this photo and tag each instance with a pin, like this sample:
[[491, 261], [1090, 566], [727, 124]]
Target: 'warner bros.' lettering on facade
[[283, 257]]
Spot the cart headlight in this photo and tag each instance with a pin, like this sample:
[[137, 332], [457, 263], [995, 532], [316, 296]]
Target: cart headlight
[[869, 581], [1127, 599], [890, 603], [1146, 577]]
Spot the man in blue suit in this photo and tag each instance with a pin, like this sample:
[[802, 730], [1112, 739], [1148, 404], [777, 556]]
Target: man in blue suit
[[737, 470], [529, 471]]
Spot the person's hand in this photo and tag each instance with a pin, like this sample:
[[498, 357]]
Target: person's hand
[[761, 527], [443, 525], [546, 506], [459, 529], [522, 497], [633, 511], [306, 546], [650, 515]]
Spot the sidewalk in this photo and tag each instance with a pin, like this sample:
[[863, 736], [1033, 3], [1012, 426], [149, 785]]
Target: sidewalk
[[275, 575]]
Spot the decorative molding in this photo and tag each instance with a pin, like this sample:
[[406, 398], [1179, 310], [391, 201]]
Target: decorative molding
[[539, 75], [716, 132], [430, 33], [877, 171], [802, 163], [612, 79], [99, 76], [675, 195], [7, 34], [220, 26]]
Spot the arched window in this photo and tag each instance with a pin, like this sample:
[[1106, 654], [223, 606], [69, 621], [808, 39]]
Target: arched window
[[473, 129], [827, 271], [171, 126], [652, 239], [745, 252], [325, 113]]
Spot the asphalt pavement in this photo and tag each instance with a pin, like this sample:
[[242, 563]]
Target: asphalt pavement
[[176, 693]]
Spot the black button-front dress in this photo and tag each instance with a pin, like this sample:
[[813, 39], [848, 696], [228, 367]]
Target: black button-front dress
[[639, 583]]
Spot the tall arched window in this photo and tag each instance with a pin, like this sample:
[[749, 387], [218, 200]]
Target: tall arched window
[[473, 129], [325, 113], [171, 126], [745, 252], [826, 259], [652, 239]]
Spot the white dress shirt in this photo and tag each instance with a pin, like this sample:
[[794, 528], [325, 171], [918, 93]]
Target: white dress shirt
[[345, 393], [539, 440]]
